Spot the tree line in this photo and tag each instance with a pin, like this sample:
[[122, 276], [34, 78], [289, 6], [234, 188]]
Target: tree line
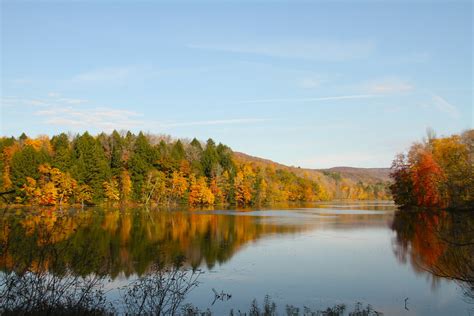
[[143, 168], [436, 173]]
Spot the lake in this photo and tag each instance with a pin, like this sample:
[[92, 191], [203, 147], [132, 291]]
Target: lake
[[318, 256]]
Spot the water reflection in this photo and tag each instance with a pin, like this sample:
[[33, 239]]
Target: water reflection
[[69, 257], [127, 242], [438, 244], [116, 242], [54, 262]]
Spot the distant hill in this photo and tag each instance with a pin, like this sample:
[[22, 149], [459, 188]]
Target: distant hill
[[371, 175], [363, 174], [343, 182]]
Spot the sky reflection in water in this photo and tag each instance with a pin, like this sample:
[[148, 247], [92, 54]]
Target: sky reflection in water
[[320, 256]]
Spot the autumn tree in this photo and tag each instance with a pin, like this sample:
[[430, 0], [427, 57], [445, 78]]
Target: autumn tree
[[260, 190], [179, 186], [402, 186], [8, 149], [452, 156], [438, 172], [199, 192], [111, 190], [53, 187], [154, 188], [83, 194], [144, 168], [125, 185], [243, 186]]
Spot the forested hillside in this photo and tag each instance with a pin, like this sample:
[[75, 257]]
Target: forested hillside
[[340, 182], [128, 168], [363, 174]]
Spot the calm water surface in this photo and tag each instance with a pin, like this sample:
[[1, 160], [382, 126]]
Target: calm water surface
[[315, 256]]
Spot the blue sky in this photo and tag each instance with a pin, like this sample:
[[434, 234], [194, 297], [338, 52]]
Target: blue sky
[[311, 84]]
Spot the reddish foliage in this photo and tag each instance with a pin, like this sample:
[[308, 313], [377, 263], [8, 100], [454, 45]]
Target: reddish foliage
[[427, 176]]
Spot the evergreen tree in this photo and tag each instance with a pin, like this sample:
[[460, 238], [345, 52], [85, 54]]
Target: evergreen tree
[[22, 138], [225, 158], [62, 158], [210, 159], [140, 163], [116, 148], [25, 164], [194, 156], [165, 162], [177, 152], [197, 144], [90, 164]]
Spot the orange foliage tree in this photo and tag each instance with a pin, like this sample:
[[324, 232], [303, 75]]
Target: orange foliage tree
[[427, 176], [53, 187]]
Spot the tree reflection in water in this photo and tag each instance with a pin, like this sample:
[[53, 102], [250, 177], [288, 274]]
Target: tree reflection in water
[[51, 274], [128, 242], [58, 263], [38, 283], [439, 244]]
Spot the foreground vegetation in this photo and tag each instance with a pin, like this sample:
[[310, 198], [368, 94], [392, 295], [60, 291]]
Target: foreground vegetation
[[436, 173], [123, 167]]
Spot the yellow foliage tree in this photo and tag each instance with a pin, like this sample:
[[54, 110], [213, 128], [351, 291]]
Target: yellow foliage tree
[[111, 190], [49, 194], [224, 185], [7, 156], [54, 187], [83, 194], [243, 188], [200, 194], [126, 185], [63, 183], [214, 187], [40, 142], [179, 185], [31, 191]]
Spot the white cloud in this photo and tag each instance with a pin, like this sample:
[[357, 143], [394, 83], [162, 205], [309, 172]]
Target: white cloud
[[15, 102], [52, 99], [444, 106], [72, 101], [316, 49], [100, 118], [66, 112], [63, 111], [331, 98], [216, 122], [388, 86], [311, 83], [76, 113], [113, 74]]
